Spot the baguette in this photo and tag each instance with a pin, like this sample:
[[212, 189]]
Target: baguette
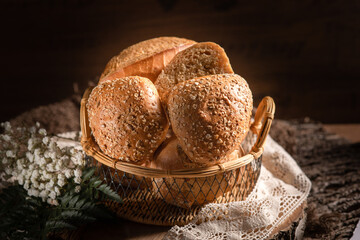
[[145, 59]]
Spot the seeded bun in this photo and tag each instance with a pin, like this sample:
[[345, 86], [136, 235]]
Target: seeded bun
[[146, 58], [210, 116], [199, 60], [186, 192], [126, 118]]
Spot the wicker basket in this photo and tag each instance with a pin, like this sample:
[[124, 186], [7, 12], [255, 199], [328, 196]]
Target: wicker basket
[[174, 197]]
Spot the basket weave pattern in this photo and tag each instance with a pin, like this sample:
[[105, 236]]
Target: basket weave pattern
[[174, 197], [147, 200]]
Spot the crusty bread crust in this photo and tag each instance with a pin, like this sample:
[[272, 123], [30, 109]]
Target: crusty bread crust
[[199, 60], [210, 116], [127, 119], [146, 58]]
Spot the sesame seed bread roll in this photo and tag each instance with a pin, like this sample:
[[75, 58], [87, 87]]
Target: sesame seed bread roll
[[127, 119], [210, 116], [186, 192], [145, 59], [199, 60]]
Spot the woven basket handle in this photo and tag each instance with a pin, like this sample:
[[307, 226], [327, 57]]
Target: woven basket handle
[[262, 123], [85, 129]]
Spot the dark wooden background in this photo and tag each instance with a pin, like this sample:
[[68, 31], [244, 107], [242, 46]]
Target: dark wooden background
[[305, 54]]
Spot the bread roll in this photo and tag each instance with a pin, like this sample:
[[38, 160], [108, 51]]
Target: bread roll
[[186, 192], [210, 116], [199, 60], [126, 118], [145, 59]]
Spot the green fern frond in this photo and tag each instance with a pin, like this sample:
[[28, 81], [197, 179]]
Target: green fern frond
[[111, 194], [24, 217], [55, 225], [88, 173]]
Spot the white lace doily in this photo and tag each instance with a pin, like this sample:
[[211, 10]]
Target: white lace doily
[[280, 192]]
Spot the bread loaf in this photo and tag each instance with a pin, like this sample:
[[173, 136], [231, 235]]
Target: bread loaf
[[186, 192], [199, 60], [145, 59], [126, 118], [210, 116]]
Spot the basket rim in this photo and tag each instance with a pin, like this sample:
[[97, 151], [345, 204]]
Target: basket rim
[[261, 126]]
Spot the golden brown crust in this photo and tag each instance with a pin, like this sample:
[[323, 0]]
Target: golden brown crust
[[199, 60], [210, 116], [126, 118], [146, 58]]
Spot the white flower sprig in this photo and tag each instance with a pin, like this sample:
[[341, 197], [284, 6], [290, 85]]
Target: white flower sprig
[[30, 158]]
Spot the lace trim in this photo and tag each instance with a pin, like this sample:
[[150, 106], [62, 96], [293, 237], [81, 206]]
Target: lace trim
[[282, 188]]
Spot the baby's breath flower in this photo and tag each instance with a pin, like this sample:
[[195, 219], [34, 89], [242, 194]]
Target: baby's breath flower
[[52, 155], [30, 144], [35, 184], [27, 184], [52, 202], [43, 194], [46, 154], [20, 179], [35, 174], [77, 172], [50, 167], [10, 154], [46, 140], [77, 189], [8, 171], [61, 182], [77, 180], [34, 192], [42, 131], [6, 138], [32, 130], [57, 190], [7, 126], [68, 173], [52, 195], [32, 159]]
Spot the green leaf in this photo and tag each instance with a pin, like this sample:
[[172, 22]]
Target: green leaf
[[70, 214], [109, 192], [96, 183], [80, 203], [55, 225], [73, 201], [77, 217], [88, 206], [65, 199], [88, 173]]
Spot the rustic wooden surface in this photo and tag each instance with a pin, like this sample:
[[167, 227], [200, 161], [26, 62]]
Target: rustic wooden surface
[[332, 163]]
